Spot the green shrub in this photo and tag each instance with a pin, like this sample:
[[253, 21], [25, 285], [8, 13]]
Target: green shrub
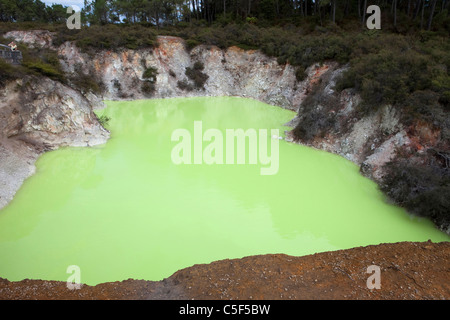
[[196, 75], [198, 66], [103, 120], [150, 74], [191, 44], [110, 37], [421, 189], [316, 114], [184, 85], [387, 77], [300, 73], [44, 69], [314, 124], [89, 82], [7, 72], [148, 88]]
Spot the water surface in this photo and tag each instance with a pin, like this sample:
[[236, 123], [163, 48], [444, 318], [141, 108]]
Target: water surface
[[125, 210]]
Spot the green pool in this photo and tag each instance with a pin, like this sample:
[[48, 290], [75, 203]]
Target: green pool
[[126, 210]]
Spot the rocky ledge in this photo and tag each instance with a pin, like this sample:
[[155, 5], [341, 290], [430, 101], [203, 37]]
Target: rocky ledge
[[408, 270], [38, 114]]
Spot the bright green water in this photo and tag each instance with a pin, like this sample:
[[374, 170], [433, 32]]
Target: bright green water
[[125, 210]]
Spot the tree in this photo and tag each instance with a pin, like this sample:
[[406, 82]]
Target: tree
[[56, 13], [98, 11], [430, 18], [394, 4]]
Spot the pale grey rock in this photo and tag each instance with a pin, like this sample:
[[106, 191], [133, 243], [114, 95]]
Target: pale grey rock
[[39, 114]]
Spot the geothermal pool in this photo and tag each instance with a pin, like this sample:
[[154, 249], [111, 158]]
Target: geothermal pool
[[126, 209]]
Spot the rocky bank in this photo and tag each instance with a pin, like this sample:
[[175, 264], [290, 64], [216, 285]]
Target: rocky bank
[[36, 115]]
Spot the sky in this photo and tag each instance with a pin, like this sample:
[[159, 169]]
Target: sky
[[79, 3]]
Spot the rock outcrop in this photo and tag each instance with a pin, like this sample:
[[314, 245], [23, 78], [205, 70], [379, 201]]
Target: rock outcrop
[[231, 72], [36, 115]]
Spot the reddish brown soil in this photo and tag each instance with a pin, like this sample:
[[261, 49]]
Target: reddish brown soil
[[408, 271]]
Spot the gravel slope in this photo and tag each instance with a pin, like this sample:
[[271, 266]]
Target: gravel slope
[[409, 270]]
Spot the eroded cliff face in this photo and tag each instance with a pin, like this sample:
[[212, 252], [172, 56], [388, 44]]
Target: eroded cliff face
[[231, 72], [36, 115]]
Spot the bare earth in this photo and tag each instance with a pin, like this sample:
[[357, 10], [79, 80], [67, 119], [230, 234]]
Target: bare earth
[[409, 270]]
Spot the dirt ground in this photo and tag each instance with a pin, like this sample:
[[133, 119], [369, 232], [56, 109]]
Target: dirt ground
[[408, 270]]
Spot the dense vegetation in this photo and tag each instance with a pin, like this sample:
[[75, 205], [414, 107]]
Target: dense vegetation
[[196, 76], [422, 188], [35, 61], [402, 13], [406, 64]]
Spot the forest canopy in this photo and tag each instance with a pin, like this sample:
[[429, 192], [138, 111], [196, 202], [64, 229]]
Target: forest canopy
[[424, 14]]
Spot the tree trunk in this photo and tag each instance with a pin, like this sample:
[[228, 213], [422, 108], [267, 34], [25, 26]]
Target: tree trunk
[[417, 9], [346, 8], [395, 13], [359, 9], [430, 18], [320, 15], [421, 17], [364, 12], [334, 11]]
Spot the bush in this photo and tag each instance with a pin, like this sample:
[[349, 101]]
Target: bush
[[191, 44], [300, 73], [7, 72], [36, 61], [421, 189], [316, 114], [391, 69], [196, 75], [89, 82], [103, 120], [387, 77], [110, 37], [198, 66], [44, 69], [150, 74], [314, 124], [148, 88], [184, 85]]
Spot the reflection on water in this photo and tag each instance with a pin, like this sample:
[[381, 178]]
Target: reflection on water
[[124, 210]]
